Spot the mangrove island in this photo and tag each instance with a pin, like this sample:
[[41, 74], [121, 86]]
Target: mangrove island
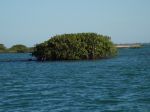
[[76, 46]]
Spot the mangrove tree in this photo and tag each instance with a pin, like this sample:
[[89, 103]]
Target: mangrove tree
[[78, 46]]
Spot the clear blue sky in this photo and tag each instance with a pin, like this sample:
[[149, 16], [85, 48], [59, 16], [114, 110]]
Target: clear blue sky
[[33, 21]]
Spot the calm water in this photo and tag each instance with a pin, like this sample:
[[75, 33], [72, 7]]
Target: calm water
[[121, 84]]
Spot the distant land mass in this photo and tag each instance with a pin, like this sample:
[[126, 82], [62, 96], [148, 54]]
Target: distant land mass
[[18, 48], [133, 45]]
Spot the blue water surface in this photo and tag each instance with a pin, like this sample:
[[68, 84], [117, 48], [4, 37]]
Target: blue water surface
[[120, 84]]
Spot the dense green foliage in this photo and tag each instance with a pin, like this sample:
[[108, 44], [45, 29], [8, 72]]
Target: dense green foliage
[[75, 47], [2, 48], [18, 48]]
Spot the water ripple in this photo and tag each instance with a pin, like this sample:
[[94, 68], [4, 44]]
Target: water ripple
[[121, 84]]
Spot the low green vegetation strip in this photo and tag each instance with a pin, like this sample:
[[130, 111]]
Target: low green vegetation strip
[[19, 48], [78, 46]]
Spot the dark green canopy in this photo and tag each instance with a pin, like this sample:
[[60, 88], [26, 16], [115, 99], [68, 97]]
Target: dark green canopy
[[75, 47]]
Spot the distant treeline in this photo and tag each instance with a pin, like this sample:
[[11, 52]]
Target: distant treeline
[[19, 48]]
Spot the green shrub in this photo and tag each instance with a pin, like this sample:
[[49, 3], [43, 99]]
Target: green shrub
[[75, 47]]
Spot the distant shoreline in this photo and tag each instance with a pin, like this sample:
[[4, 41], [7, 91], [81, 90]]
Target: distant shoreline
[[129, 45]]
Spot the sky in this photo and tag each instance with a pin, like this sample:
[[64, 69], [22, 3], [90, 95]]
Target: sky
[[30, 22]]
